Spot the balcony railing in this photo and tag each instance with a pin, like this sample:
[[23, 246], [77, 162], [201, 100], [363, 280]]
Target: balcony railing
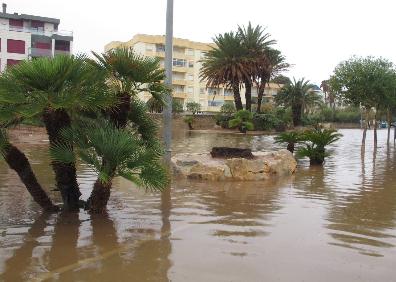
[[36, 30], [38, 52], [62, 52]]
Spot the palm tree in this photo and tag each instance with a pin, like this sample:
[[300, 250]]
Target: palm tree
[[273, 63], [316, 141], [295, 95], [127, 74], [291, 138], [52, 89], [112, 152], [255, 42], [227, 64]]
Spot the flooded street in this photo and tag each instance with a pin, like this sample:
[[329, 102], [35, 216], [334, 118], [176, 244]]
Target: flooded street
[[336, 223]]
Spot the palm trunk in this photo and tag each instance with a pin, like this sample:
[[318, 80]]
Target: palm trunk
[[99, 197], [248, 95], [260, 95], [65, 174], [20, 164], [296, 112], [237, 97], [100, 194], [290, 147]]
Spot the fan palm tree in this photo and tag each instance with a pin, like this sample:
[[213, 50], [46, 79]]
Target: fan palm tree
[[52, 89], [127, 74], [243, 119], [255, 41], [112, 152], [227, 64], [294, 95]]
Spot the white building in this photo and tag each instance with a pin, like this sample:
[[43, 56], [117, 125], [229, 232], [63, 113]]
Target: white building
[[25, 37]]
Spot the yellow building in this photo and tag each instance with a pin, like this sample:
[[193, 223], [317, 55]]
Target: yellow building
[[187, 86]]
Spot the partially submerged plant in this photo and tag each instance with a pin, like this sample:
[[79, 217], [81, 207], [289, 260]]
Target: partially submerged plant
[[243, 119], [315, 141], [189, 120], [291, 138]]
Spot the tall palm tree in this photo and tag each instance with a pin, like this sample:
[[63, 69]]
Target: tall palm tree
[[227, 65], [53, 89], [295, 95], [272, 64], [256, 42]]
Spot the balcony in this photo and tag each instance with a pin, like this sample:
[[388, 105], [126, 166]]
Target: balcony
[[38, 52], [36, 30], [179, 81], [179, 69], [179, 95], [62, 52]]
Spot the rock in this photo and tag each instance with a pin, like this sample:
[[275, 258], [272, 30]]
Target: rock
[[261, 166], [227, 152]]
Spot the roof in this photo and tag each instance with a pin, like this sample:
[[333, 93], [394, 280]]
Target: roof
[[17, 16]]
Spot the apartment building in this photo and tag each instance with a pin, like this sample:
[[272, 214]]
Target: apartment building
[[26, 37], [187, 85]]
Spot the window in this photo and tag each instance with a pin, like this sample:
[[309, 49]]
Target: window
[[212, 91], [159, 48], [190, 90], [16, 46], [202, 91], [190, 52], [149, 47], [179, 62], [179, 49], [190, 64], [178, 88], [62, 45], [228, 92], [190, 77], [15, 24], [203, 54], [11, 62], [215, 103]]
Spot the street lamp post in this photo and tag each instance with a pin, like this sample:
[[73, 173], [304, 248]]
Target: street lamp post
[[168, 81]]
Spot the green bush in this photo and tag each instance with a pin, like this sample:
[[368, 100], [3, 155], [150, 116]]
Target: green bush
[[177, 107], [243, 120], [193, 107]]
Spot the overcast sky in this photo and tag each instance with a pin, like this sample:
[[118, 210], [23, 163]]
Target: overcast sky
[[314, 35]]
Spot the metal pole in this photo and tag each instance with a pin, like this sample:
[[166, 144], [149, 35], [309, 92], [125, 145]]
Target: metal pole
[[168, 81]]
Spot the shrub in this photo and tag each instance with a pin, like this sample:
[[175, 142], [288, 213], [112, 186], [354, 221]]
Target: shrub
[[190, 121], [243, 120], [193, 107], [177, 107], [228, 109]]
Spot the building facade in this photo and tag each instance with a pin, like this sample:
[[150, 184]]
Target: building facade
[[187, 85], [26, 37]]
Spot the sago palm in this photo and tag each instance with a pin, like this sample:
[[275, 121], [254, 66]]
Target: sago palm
[[316, 141], [53, 89], [291, 138]]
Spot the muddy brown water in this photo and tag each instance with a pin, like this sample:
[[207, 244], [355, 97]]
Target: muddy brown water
[[336, 223]]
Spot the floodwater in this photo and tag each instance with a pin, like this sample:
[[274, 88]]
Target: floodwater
[[336, 223]]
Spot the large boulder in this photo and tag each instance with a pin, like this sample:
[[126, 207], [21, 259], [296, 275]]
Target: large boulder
[[262, 166]]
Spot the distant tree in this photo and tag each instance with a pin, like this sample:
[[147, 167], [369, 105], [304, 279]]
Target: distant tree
[[155, 105], [193, 107], [281, 79], [227, 109], [177, 107], [367, 82]]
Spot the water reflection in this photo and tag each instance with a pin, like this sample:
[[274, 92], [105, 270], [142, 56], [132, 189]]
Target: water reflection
[[340, 216]]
